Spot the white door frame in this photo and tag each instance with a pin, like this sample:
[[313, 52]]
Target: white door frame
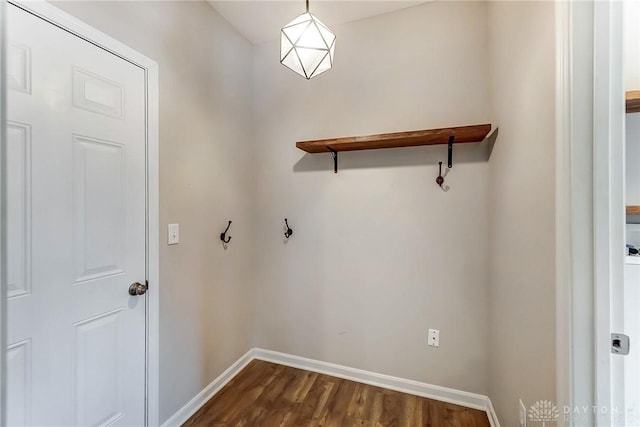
[[3, 216], [609, 205], [589, 202], [71, 24], [564, 202]]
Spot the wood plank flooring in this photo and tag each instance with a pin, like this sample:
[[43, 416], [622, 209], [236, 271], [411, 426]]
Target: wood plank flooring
[[270, 395]]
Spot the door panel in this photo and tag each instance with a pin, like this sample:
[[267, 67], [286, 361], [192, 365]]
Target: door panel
[[19, 210], [19, 68], [97, 392], [76, 219], [99, 208], [95, 93], [19, 382]]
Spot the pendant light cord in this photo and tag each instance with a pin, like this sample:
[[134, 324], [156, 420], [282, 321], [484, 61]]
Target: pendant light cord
[[307, 6]]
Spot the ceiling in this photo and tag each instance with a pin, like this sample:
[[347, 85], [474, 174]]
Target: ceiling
[[260, 21]]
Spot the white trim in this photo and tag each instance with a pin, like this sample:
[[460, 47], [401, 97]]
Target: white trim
[[575, 340], [429, 391], [590, 174], [602, 218], [609, 212], [491, 414], [443, 394], [3, 217], [209, 391], [563, 205], [153, 246], [71, 24]]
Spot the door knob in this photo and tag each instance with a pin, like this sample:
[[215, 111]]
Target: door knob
[[137, 289]]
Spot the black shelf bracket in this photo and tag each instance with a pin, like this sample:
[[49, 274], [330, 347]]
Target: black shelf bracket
[[440, 178], [334, 154]]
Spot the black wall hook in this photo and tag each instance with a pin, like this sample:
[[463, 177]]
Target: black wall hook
[[440, 178], [289, 231], [223, 236]]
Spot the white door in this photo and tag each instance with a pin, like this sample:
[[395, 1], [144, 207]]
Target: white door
[[76, 230]]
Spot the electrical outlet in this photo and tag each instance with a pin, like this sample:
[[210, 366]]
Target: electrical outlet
[[523, 413], [434, 337], [173, 234]]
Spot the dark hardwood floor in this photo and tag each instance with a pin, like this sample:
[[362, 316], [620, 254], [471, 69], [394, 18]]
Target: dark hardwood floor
[[270, 395]]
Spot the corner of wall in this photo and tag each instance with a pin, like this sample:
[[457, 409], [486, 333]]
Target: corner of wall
[[522, 206]]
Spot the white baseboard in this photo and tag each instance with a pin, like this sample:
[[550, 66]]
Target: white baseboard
[[430, 391], [209, 391], [443, 394], [491, 414]]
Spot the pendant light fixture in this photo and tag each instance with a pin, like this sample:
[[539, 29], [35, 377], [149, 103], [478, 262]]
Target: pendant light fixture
[[307, 45]]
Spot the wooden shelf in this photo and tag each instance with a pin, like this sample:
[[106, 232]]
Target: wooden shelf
[[633, 101], [463, 134], [633, 210]]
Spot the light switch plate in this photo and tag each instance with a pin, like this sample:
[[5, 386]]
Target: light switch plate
[[434, 337], [173, 234]]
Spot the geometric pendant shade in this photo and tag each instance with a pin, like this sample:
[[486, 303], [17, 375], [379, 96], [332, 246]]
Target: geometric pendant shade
[[307, 45]]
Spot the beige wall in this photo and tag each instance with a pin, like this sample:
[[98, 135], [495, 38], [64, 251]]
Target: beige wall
[[380, 253], [522, 214], [205, 179]]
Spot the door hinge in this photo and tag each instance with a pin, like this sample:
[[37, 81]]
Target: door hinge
[[620, 344]]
